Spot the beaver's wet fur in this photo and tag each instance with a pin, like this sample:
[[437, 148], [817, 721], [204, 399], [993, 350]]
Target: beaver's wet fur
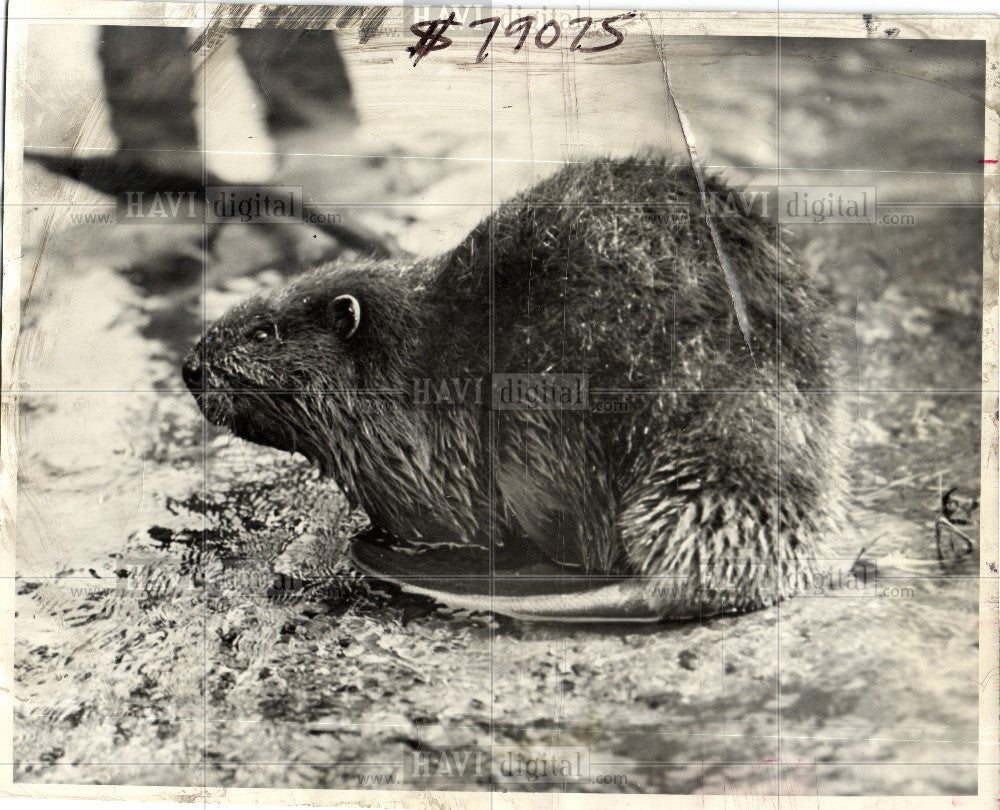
[[722, 475]]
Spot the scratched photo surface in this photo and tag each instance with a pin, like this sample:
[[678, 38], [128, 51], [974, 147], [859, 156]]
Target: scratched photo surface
[[187, 610]]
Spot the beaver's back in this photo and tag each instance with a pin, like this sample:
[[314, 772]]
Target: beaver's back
[[610, 268]]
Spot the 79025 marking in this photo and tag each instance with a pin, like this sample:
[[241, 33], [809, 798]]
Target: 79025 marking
[[432, 37]]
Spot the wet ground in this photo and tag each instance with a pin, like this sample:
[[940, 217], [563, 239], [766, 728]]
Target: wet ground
[[185, 614]]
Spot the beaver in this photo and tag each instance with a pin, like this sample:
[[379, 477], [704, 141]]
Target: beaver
[[669, 462]]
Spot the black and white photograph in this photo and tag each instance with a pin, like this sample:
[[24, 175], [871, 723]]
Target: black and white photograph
[[438, 406]]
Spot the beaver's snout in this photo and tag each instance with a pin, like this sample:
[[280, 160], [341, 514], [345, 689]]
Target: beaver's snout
[[228, 399], [196, 377], [212, 397], [204, 369], [193, 371]]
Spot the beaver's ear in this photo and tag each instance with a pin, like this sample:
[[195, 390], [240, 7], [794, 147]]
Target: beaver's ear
[[345, 313]]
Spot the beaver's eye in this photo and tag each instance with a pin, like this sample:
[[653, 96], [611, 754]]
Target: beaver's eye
[[265, 334]]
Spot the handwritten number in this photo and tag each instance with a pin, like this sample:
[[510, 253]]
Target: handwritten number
[[551, 42], [618, 35], [587, 21], [431, 34], [489, 37], [525, 23]]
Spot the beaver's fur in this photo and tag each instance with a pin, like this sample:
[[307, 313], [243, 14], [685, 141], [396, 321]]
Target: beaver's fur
[[723, 471]]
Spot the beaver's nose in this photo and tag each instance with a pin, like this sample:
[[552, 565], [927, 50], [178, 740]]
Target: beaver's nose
[[192, 371]]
